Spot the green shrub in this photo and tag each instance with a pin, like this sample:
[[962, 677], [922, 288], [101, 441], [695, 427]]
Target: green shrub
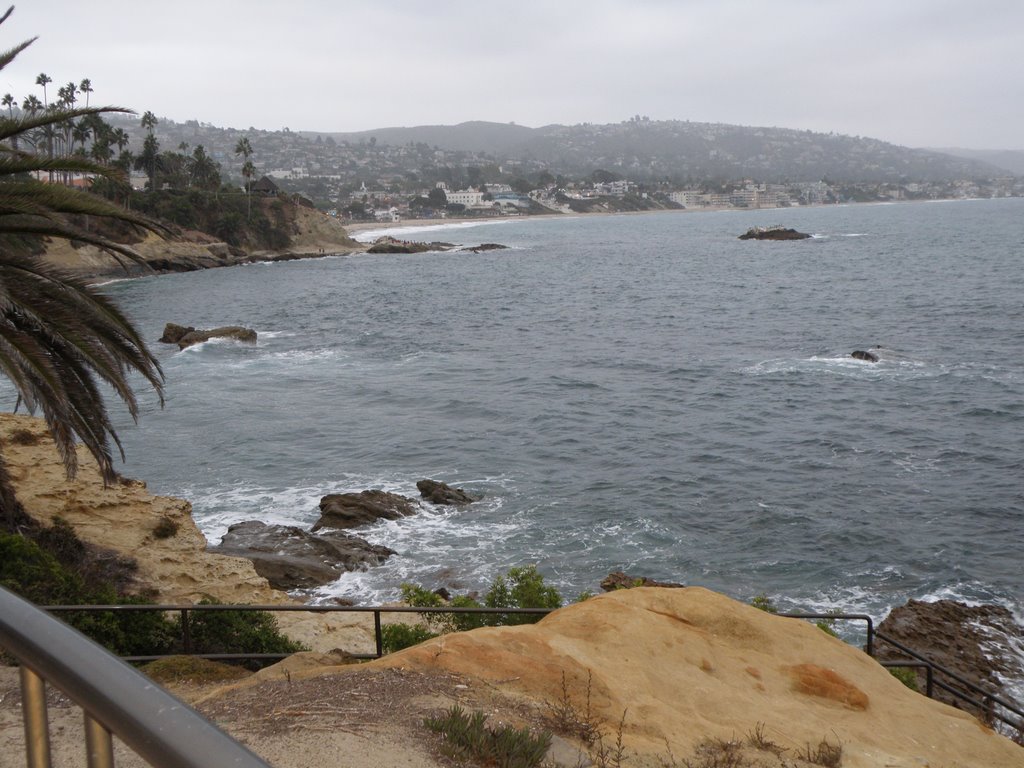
[[520, 588], [523, 588], [237, 632], [35, 574], [906, 675], [468, 737], [398, 636], [57, 568], [764, 603]]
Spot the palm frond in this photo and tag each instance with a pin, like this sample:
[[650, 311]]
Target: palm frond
[[60, 340], [28, 122]]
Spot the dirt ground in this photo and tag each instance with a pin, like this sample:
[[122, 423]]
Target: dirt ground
[[371, 719]]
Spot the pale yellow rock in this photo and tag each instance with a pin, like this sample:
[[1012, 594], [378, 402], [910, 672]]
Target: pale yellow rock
[[688, 664]]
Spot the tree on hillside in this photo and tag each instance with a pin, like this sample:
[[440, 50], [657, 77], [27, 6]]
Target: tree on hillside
[[60, 338], [244, 148], [150, 156], [204, 171]]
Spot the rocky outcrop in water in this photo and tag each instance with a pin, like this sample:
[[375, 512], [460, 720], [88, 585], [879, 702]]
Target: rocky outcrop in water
[[186, 336], [442, 493], [350, 510], [291, 558], [860, 354], [971, 641], [388, 244], [773, 233], [487, 247]]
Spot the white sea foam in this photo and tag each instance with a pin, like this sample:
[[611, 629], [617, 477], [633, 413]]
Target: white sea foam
[[369, 235]]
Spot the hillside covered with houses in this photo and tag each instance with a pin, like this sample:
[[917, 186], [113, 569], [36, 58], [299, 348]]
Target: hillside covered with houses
[[488, 169]]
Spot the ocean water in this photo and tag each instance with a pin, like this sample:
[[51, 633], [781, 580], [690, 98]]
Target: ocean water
[[643, 393]]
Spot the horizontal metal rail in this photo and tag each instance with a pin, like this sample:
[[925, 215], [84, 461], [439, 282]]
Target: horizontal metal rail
[[116, 698]]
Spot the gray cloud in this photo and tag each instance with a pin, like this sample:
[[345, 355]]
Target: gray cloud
[[916, 72]]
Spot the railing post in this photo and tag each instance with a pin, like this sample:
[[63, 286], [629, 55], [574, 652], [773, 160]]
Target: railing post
[[870, 648], [37, 727], [929, 676], [186, 632], [378, 634], [99, 746]]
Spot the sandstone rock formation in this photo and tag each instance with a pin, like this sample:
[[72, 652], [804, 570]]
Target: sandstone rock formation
[[290, 558], [187, 336], [314, 234], [442, 493], [350, 510], [679, 668]]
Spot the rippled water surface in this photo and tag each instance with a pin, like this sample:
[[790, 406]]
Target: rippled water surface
[[644, 392]]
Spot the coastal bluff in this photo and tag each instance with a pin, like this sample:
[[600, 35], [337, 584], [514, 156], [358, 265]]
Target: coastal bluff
[[313, 234], [676, 667]]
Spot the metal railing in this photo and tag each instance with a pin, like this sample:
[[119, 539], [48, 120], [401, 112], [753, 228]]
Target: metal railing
[[116, 698]]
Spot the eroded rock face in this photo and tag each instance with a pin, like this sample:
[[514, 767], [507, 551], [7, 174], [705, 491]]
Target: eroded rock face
[[350, 510], [291, 558], [186, 336], [442, 493], [968, 640], [619, 580]]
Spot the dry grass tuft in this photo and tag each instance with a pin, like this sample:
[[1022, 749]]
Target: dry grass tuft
[[192, 670], [826, 684]]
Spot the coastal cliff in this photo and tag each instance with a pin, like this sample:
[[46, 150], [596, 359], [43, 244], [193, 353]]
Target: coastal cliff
[[311, 234]]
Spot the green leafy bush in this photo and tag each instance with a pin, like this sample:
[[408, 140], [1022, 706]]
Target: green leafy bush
[[398, 636], [57, 568], [764, 603], [519, 588], [906, 675], [35, 574], [237, 632]]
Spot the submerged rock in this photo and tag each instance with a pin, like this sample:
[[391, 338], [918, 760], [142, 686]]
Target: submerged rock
[[487, 247], [773, 233], [442, 493], [292, 558], [350, 510]]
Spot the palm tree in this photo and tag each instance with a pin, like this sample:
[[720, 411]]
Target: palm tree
[[8, 101], [42, 80], [86, 87], [244, 148], [60, 338]]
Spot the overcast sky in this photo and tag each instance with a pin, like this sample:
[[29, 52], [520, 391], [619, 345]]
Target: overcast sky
[[922, 73]]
